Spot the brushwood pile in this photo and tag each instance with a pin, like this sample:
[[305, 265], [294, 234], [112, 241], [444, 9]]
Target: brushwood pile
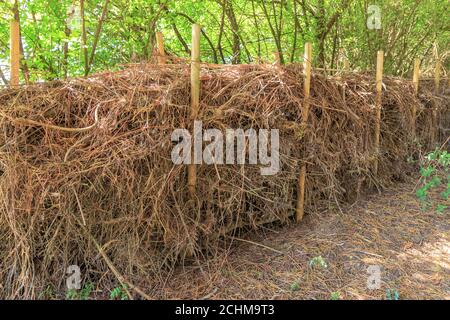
[[86, 175]]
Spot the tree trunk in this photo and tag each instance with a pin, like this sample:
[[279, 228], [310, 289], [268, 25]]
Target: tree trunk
[[84, 39], [236, 59], [67, 32]]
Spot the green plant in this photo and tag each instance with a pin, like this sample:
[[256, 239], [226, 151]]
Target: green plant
[[295, 286], [433, 170], [422, 193], [392, 294], [72, 294], [336, 295], [83, 294], [119, 293], [318, 261], [441, 156], [441, 208]]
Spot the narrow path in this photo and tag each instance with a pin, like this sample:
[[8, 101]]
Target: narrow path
[[329, 255]]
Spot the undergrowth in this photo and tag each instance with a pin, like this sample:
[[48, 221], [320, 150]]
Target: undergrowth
[[435, 177], [82, 294]]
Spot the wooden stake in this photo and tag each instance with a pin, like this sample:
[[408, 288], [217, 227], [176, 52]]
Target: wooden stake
[[437, 80], [300, 210], [416, 90], [437, 76], [15, 53], [346, 65], [379, 82], [161, 51], [195, 98], [276, 56], [416, 74]]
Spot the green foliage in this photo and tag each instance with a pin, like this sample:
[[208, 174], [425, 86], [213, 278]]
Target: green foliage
[[440, 208], [426, 172], [392, 294], [72, 294], [238, 31], [318, 262], [82, 294], [119, 293], [442, 157], [335, 295], [295, 286], [434, 170]]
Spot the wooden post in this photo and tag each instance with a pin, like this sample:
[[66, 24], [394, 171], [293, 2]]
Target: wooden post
[[379, 82], [343, 61], [437, 76], [161, 52], [346, 64], [437, 80], [300, 210], [416, 74], [416, 90], [276, 56], [14, 52], [195, 98]]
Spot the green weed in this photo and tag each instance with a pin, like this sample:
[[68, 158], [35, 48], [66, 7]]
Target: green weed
[[433, 171], [82, 294], [119, 293], [318, 261]]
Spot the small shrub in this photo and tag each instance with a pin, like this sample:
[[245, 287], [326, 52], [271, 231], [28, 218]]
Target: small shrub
[[119, 293], [295, 286], [392, 294], [441, 208], [336, 295], [434, 170], [83, 294], [318, 261], [72, 294]]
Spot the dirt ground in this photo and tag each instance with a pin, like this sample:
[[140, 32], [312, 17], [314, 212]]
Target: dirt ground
[[328, 256]]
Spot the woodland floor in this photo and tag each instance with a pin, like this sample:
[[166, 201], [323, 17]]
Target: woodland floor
[[410, 244]]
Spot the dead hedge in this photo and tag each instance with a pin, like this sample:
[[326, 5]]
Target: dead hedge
[[87, 178]]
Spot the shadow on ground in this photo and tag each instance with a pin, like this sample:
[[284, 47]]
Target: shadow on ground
[[389, 230]]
